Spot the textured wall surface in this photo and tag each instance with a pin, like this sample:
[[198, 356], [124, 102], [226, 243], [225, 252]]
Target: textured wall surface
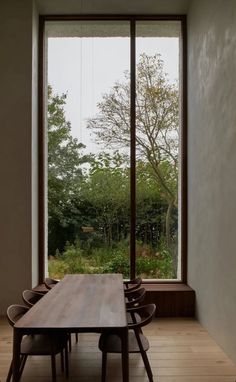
[[18, 128], [15, 150], [212, 166], [212, 151], [112, 6], [34, 148]]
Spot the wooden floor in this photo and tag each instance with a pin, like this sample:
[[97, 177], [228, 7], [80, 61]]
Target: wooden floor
[[181, 351]]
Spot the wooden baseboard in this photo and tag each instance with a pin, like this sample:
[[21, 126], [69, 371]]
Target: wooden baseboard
[[172, 300]]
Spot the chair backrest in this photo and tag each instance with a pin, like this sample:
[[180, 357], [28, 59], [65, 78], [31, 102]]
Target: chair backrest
[[50, 283], [134, 297], [146, 314], [30, 297], [132, 284], [15, 312]]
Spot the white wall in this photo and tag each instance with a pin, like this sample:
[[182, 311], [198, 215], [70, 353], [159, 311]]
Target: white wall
[[18, 208], [212, 166], [112, 6], [34, 147], [18, 127]]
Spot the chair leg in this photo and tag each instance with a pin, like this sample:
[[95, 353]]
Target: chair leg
[[147, 365], [104, 366], [133, 318], [66, 361], [76, 337], [62, 361], [69, 340], [23, 361], [22, 365], [144, 355], [9, 375], [53, 365]]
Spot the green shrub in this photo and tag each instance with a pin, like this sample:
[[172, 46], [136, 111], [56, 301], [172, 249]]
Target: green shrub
[[101, 256], [154, 268], [73, 257], [149, 264], [118, 264], [57, 268]]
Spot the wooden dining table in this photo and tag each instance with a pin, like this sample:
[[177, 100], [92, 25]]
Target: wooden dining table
[[78, 303]]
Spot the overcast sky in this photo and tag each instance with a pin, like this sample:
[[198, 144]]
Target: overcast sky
[[86, 68]]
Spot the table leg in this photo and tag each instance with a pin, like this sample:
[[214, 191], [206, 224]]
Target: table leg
[[125, 355], [17, 336]]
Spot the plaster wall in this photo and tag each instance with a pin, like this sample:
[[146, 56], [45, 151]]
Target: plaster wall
[[112, 6], [18, 127], [34, 147], [211, 166], [16, 121]]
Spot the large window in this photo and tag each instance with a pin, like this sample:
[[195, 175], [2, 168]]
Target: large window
[[114, 147]]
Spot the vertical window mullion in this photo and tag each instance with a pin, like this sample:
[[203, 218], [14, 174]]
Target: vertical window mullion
[[132, 149], [42, 189], [184, 149]]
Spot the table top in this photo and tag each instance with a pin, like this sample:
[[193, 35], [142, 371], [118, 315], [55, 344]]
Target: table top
[[79, 302]]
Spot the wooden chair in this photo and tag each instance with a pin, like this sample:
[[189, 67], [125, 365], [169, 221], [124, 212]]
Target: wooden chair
[[30, 297], [132, 284], [50, 283], [133, 298], [38, 344], [138, 343]]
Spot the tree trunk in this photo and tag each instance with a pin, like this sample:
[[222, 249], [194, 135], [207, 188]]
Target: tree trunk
[[168, 221], [109, 234], [175, 260]]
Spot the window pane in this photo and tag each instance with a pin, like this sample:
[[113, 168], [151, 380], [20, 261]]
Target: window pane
[[157, 149], [88, 147]]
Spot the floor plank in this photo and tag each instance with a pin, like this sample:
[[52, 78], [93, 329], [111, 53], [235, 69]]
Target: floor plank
[[181, 351]]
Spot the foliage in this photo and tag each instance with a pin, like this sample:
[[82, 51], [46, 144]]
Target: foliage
[[65, 160], [118, 264], [106, 189], [157, 122], [108, 260], [156, 268]]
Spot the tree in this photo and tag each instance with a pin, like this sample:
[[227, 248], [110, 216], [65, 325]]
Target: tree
[[65, 164], [106, 191], [157, 122], [150, 207]]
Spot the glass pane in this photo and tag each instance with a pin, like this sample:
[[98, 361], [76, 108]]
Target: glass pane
[[88, 147], [157, 149]]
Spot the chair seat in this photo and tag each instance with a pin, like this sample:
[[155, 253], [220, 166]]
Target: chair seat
[[111, 343], [43, 344]]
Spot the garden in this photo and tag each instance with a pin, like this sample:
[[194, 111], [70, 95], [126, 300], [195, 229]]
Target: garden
[[89, 193]]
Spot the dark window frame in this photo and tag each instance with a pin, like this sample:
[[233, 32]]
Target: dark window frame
[[183, 141]]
